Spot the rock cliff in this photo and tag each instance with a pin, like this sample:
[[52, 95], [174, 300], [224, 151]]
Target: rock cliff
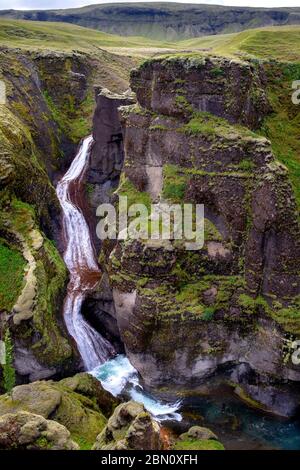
[[49, 106], [229, 311], [107, 155]]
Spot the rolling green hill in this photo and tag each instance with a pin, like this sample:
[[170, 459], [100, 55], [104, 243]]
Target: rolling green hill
[[164, 21], [63, 36], [278, 42]]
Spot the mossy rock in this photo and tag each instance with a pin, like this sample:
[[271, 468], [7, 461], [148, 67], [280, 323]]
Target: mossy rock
[[198, 438], [75, 403], [198, 444], [130, 427], [198, 432], [87, 385], [28, 431]]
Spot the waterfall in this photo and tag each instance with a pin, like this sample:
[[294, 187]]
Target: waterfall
[[115, 374], [81, 262]]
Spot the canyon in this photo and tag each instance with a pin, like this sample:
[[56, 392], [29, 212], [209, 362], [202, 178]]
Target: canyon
[[190, 323], [220, 313]]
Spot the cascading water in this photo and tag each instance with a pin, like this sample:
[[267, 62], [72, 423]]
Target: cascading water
[[119, 376], [80, 259], [115, 374]]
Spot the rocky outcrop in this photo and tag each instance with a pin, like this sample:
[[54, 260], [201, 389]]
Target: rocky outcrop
[[231, 309], [28, 431], [41, 348], [230, 89], [102, 178], [131, 427], [107, 154], [86, 385], [198, 438], [78, 403]]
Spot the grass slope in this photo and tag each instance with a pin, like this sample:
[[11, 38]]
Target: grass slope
[[63, 37], [12, 266], [279, 43]]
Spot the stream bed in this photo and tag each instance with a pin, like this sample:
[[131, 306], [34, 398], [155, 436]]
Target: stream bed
[[238, 426]]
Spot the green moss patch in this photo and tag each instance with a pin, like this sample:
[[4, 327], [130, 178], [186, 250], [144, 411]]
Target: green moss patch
[[282, 127], [73, 121], [134, 196], [251, 305], [213, 126], [288, 317], [51, 274], [198, 444], [174, 183], [12, 266]]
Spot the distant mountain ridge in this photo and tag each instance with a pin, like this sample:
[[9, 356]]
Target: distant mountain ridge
[[165, 21]]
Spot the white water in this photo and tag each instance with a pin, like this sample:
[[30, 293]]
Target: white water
[[118, 375], [80, 259]]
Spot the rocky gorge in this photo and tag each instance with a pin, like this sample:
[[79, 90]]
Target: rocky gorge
[[189, 322], [50, 97], [227, 313]]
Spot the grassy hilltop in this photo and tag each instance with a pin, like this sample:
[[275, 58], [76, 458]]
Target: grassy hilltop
[[278, 42]]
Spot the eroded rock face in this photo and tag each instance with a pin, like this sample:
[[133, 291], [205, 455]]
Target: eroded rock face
[[102, 178], [107, 154], [49, 106], [229, 309], [131, 427], [28, 431], [34, 136], [226, 88]]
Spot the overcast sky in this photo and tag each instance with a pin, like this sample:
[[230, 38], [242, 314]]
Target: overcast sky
[[53, 4]]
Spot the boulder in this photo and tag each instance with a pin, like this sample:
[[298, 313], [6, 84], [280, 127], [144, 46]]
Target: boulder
[[75, 403], [197, 438], [130, 427], [87, 385], [28, 431], [199, 432]]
